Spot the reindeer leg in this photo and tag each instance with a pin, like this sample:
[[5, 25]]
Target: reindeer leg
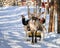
[[32, 37], [35, 36]]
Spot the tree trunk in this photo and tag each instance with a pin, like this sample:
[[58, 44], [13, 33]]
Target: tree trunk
[[58, 12], [51, 21]]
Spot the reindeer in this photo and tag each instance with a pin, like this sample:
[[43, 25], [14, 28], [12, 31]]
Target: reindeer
[[34, 25]]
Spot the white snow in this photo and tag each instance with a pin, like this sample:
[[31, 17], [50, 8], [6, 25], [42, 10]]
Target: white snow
[[12, 34]]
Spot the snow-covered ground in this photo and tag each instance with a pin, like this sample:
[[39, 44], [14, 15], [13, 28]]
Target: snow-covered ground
[[12, 34]]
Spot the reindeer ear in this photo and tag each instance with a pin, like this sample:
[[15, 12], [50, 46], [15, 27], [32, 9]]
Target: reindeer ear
[[43, 21], [23, 16]]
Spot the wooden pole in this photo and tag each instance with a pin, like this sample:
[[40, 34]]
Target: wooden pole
[[28, 10], [39, 8], [35, 8], [28, 3]]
